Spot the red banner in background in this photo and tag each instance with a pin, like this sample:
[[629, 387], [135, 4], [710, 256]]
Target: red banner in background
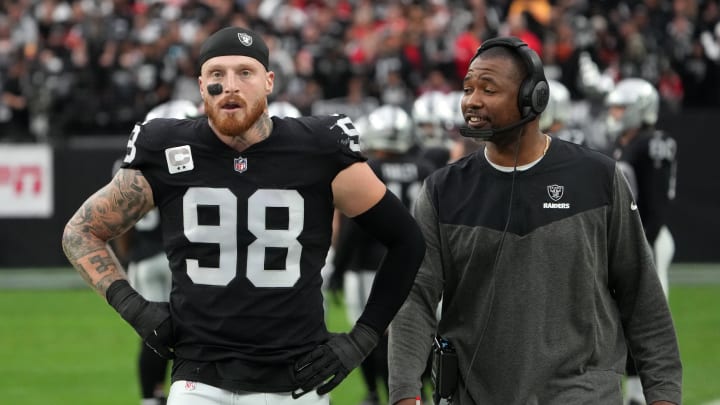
[[26, 181]]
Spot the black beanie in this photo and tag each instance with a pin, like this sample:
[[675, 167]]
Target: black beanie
[[234, 41]]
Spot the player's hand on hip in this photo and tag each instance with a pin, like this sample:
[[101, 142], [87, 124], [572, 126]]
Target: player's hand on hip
[[160, 338], [328, 364], [151, 320]]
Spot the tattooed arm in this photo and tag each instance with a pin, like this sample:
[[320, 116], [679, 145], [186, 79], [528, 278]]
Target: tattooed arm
[[107, 214]]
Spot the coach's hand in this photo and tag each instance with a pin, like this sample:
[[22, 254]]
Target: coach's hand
[[151, 320], [329, 363]]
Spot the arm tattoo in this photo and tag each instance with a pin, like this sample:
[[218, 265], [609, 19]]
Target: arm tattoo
[[107, 214], [102, 264]]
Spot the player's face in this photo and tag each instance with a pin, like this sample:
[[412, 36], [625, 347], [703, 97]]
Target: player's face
[[616, 111], [246, 85], [614, 121], [490, 92]]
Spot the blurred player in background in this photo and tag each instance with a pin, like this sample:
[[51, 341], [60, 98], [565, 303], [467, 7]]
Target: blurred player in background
[[149, 269], [386, 137], [648, 157], [283, 109], [555, 120], [431, 114]]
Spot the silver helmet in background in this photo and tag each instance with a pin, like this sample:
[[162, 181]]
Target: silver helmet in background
[[559, 108], [387, 128], [640, 102]]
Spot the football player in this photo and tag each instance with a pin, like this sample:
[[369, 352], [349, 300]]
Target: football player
[[246, 204], [432, 115], [386, 135], [647, 156]]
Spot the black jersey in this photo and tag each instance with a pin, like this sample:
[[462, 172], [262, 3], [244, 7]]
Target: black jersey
[[403, 176], [439, 156], [651, 156], [246, 232]]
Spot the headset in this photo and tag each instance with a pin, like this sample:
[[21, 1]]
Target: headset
[[533, 94]]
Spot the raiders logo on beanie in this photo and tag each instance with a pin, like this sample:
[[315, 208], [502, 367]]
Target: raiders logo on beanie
[[234, 41]]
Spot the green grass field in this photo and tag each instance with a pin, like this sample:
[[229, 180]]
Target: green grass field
[[68, 347]]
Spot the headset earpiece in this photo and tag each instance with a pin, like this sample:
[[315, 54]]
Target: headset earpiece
[[533, 94]]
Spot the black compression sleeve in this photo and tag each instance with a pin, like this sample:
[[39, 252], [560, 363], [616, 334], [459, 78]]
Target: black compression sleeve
[[345, 247], [391, 223]]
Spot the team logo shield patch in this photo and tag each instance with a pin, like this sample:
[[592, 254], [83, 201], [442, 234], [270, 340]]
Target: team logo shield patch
[[245, 39], [240, 164], [555, 191]]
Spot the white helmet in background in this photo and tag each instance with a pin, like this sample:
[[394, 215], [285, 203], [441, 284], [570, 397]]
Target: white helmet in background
[[558, 108], [453, 103], [387, 128], [283, 109], [640, 100], [432, 115], [173, 109]]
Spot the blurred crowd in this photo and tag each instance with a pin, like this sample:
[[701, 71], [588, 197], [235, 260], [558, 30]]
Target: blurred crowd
[[72, 67]]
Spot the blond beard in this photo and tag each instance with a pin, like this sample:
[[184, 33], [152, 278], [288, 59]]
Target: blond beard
[[229, 125]]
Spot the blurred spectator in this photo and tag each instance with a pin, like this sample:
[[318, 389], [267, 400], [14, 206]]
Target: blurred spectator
[[14, 116], [517, 26], [332, 69], [356, 104], [466, 44], [95, 66]]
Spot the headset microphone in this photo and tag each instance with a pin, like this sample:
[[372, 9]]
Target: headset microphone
[[533, 93], [214, 89], [487, 134]]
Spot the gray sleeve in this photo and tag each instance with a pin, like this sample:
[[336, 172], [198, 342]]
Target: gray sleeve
[[413, 328], [644, 311], [630, 176]]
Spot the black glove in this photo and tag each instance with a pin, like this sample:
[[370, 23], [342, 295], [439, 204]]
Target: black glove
[[336, 358], [151, 320]]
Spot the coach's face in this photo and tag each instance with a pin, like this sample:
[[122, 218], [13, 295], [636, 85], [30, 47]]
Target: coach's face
[[490, 93], [245, 87]]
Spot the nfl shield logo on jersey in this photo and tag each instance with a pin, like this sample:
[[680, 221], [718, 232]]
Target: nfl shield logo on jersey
[[240, 164], [555, 192]]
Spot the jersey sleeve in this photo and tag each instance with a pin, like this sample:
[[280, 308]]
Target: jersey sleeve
[[143, 154], [132, 159], [344, 139]]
